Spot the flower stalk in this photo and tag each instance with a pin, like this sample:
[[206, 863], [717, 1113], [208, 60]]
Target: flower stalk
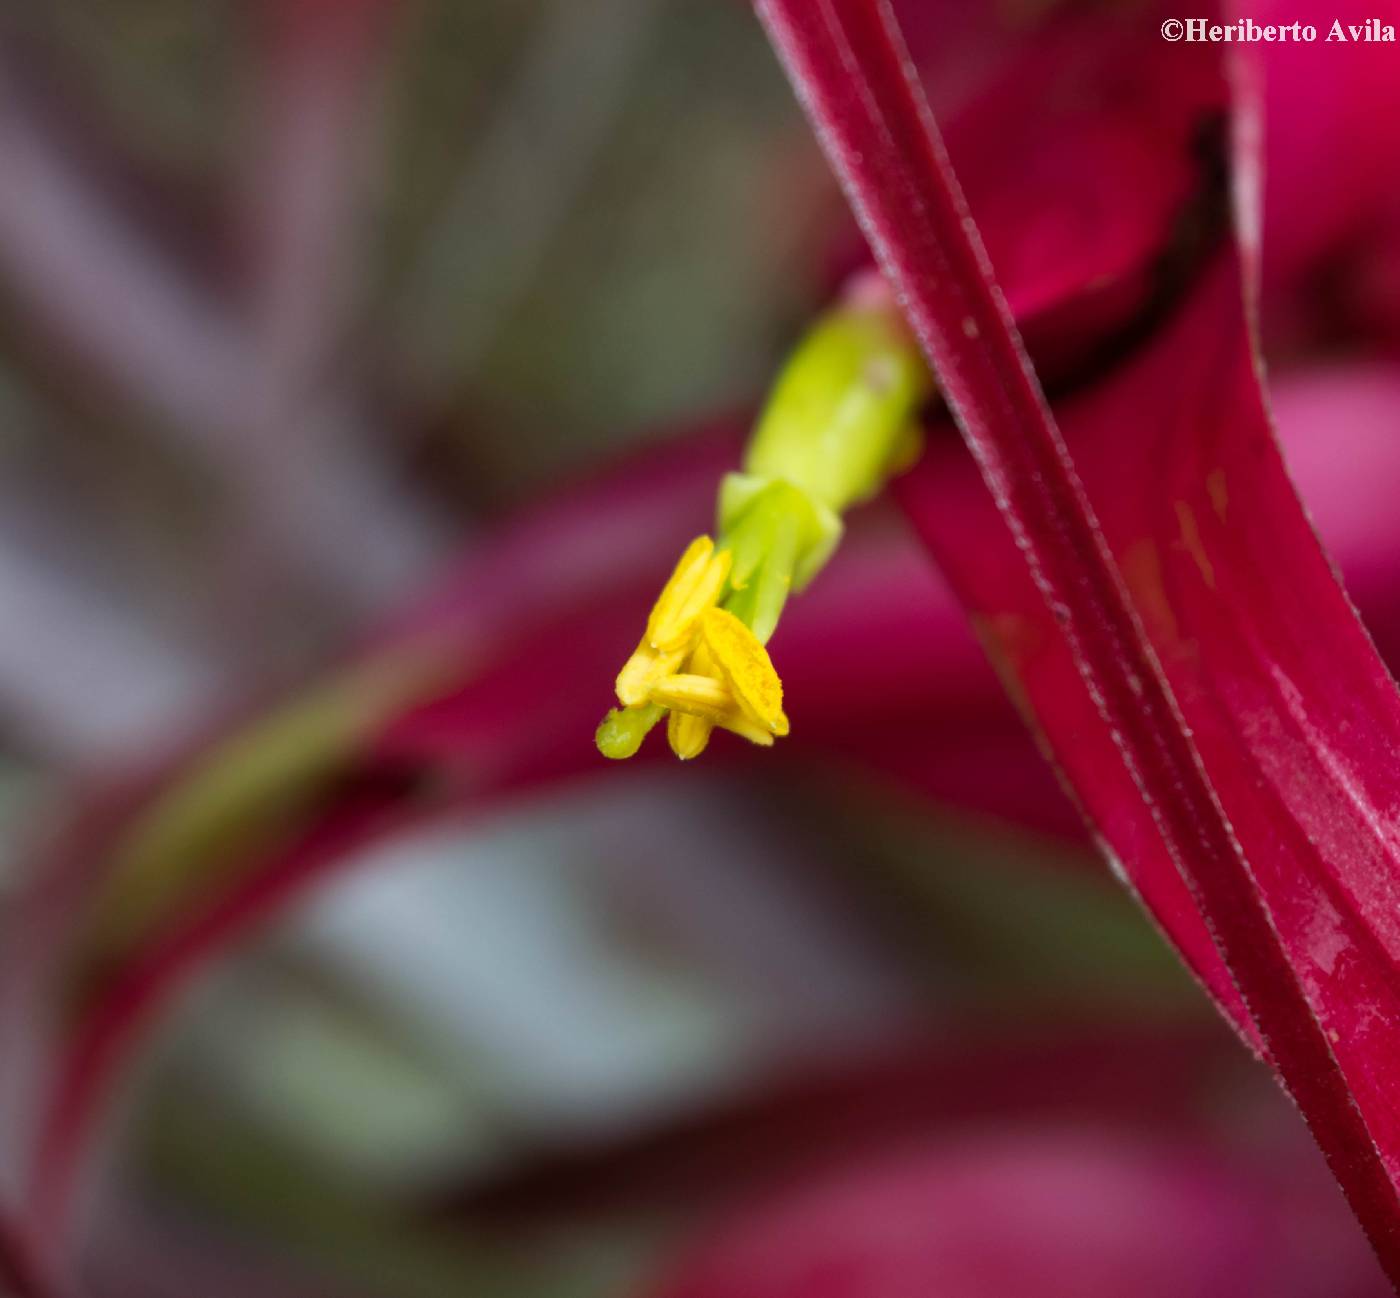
[[840, 421]]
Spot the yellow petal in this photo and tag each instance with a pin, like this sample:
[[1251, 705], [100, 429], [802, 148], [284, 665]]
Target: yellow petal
[[694, 586], [745, 667]]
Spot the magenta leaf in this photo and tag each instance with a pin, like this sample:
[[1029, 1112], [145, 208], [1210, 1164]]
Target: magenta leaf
[[1185, 651], [1060, 1213]]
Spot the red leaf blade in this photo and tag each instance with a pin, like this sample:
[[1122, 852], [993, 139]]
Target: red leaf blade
[[853, 76]]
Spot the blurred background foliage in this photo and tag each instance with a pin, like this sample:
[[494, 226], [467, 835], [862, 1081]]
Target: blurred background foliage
[[545, 183], [573, 226]]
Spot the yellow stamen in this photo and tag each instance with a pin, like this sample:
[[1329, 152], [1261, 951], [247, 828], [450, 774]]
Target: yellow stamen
[[699, 699], [673, 625], [641, 672], [702, 696], [745, 667], [738, 724], [694, 586], [687, 735]]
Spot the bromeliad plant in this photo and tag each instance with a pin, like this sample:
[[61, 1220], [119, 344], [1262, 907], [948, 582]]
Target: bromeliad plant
[[1137, 566]]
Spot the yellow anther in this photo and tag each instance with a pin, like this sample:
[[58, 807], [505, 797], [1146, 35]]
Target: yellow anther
[[641, 672], [703, 696], [745, 667], [700, 699], [694, 586], [738, 724], [673, 626], [688, 735], [687, 730]]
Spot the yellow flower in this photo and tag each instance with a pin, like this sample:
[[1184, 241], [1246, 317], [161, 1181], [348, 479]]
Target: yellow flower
[[698, 662]]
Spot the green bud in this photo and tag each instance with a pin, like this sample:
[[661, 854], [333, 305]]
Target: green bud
[[840, 420]]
